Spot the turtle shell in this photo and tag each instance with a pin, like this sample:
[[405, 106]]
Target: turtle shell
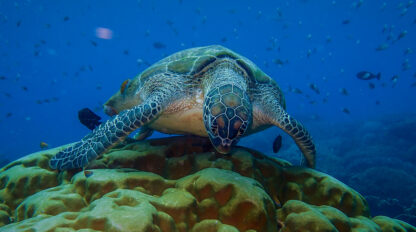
[[194, 61]]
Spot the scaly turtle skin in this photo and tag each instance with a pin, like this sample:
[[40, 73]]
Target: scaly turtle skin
[[206, 91]]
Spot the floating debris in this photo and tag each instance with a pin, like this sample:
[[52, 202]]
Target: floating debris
[[66, 18], [346, 21], [103, 33], [93, 43], [18, 23], [413, 85], [365, 75], [408, 51], [3, 78], [8, 115], [24, 88]]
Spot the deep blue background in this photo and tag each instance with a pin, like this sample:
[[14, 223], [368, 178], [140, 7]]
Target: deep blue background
[[48, 48]]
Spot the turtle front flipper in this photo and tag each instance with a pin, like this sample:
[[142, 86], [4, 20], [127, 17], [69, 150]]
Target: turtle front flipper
[[105, 136], [281, 119]]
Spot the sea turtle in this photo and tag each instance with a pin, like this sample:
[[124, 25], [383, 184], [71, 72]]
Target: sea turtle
[[205, 91]]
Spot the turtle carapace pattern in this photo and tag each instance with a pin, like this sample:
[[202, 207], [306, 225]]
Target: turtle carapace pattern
[[206, 91]]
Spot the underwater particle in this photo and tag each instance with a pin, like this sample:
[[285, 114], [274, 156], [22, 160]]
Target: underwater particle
[[382, 47], [8, 115], [18, 23], [90, 68], [413, 85], [66, 18], [377, 102], [159, 45], [28, 118], [24, 88], [346, 21], [343, 91], [224, 39], [38, 101], [309, 36], [103, 33], [126, 52], [89, 118], [124, 85], [346, 110], [43, 145], [315, 88], [2, 78], [365, 75], [403, 12], [277, 144], [48, 25], [358, 4], [371, 85], [8, 95]]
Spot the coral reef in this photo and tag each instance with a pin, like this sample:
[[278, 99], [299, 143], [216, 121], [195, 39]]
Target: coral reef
[[180, 184]]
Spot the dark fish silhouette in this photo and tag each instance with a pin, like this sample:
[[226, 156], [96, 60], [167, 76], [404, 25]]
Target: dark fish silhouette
[[89, 118], [364, 75], [277, 144], [159, 45]]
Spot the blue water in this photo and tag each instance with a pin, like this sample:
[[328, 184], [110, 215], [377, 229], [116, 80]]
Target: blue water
[[52, 64]]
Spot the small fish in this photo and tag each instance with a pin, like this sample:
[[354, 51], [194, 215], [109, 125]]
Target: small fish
[[401, 35], [298, 91], [43, 145], [346, 21], [343, 91], [280, 62], [159, 45], [364, 75], [277, 144], [408, 51], [382, 47], [345, 110], [89, 118], [406, 65], [371, 85], [93, 43], [315, 88], [88, 173], [124, 85]]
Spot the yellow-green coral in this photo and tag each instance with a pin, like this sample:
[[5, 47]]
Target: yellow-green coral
[[180, 184]]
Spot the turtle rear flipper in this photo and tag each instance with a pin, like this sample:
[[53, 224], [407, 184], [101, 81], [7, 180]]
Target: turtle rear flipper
[[105, 136]]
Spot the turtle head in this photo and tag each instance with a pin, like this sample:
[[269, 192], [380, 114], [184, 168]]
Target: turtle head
[[226, 117], [125, 98]]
